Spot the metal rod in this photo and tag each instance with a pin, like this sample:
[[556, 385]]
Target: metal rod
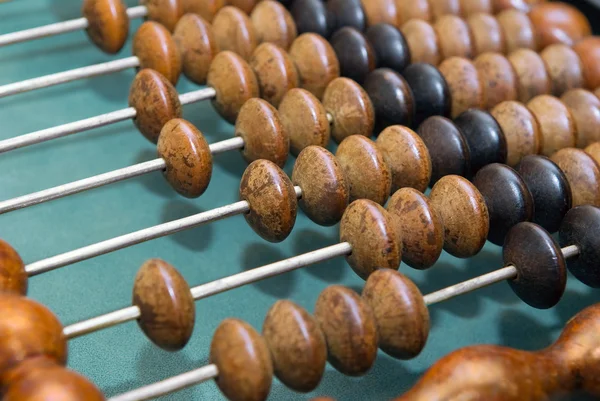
[[68, 76]]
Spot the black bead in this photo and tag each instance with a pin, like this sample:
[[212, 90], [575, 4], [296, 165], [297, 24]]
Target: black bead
[[391, 49], [550, 190], [581, 227], [487, 143], [541, 268], [286, 3], [447, 147], [310, 16], [430, 90], [341, 13], [356, 56]]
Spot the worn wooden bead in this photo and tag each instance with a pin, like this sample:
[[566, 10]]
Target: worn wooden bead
[[13, 277], [585, 109], [245, 5], [354, 52], [310, 16], [234, 83], [108, 24], [187, 157], [499, 79], [421, 227], [165, 12], [466, 87], [464, 215], [487, 34], [325, 190], [316, 62], [275, 72], [518, 30], [341, 13], [558, 22], [454, 37], [557, 125], [430, 91], [234, 31], [206, 9], [273, 23], [588, 50], [521, 5], [439, 8], [521, 130], [532, 75], [416, 9], [390, 46], [243, 360], [375, 241], [167, 310], [391, 97], [272, 200], [380, 11], [422, 41], [197, 45], [597, 92], [470, 7], [583, 174], [297, 346], [350, 330], [156, 49], [368, 174], [564, 68], [594, 151], [407, 157]]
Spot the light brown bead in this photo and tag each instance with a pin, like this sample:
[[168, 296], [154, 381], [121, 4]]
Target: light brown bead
[[275, 72], [156, 49], [274, 24], [375, 241], [421, 227], [368, 174], [464, 214], [558, 22], [245, 5], [350, 108], [470, 7], [234, 82], [466, 88], [518, 30], [532, 74], [165, 12], [400, 313], [350, 330], [454, 37], [272, 200], [379, 11], [439, 8], [564, 68], [521, 5], [487, 34], [233, 31], [585, 109], [583, 174], [499, 80], [187, 156], [206, 9], [325, 191], [264, 134], [557, 125], [297, 346], [155, 101], [167, 310], [594, 151], [305, 120], [13, 278], [316, 61], [407, 10], [108, 24], [407, 157], [197, 46], [588, 50], [521, 129], [422, 41], [243, 360]]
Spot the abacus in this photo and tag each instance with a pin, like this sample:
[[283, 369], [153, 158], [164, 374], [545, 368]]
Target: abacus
[[395, 155]]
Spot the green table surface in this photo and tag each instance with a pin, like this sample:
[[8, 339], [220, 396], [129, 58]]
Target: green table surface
[[121, 358]]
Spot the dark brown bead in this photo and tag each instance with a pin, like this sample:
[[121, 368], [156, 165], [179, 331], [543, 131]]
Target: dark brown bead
[[275, 72], [588, 50], [499, 79], [430, 92], [557, 125], [13, 277], [310, 16], [585, 110], [390, 46], [165, 12], [156, 49], [532, 75], [557, 22], [564, 68], [354, 52], [487, 34], [341, 13], [206, 9], [273, 24], [197, 45], [392, 98], [454, 37], [518, 30], [422, 41], [583, 174], [234, 31], [466, 87], [108, 24]]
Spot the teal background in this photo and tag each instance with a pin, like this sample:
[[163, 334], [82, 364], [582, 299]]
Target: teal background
[[120, 359]]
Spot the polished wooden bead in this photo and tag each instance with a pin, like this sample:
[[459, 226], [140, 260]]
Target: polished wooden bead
[[13, 277], [350, 330], [206, 9], [487, 34], [466, 87], [420, 225], [197, 45], [165, 12], [557, 125], [316, 62], [588, 50], [422, 41], [364, 164], [234, 31], [558, 22], [273, 23], [470, 7], [594, 151], [350, 108], [597, 92], [564, 68], [275, 72], [454, 37], [439, 8], [464, 215], [354, 52], [272, 200], [499, 79], [521, 130], [167, 311], [583, 174], [243, 360], [532, 75], [156, 49], [415, 9], [585, 109], [310, 16], [400, 313], [390, 46], [187, 157], [341, 13], [380, 11], [518, 30], [375, 241], [245, 5], [108, 24], [521, 5], [392, 98], [430, 90], [407, 157], [234, 83], [297, 346], [325, 190]]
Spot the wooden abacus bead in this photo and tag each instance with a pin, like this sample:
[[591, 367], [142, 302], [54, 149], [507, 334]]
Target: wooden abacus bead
[[422, 41], [341, 13], [533, 78], [521, 130], [325, 190], [243, 360], [380, 11], [558, 22], [594, 151], [416, 9], [13, 278], [470, 7], [354, 52], [466, 87], [439, 8], [580, 227], [368, 174], [108, 24], [391, 97], [234, 83], [275, 72], [454, 37], [421, 227], [187, 157], [234, 31], [564, 68], [487, 34], [350, 330], [165, 12], [311, 16], [156, 49], [499, 79], [430, 90], [585, 110], [597, 92], [297, 345], [245, 5], [206, 9], [376, 242], [583, 174], [316, 62], [197, 45], [557, 125], [521, 5], [272, 199], [390, 46], [167, 311], [273, 23], [464, 214], [588, 50], [518, 30]]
